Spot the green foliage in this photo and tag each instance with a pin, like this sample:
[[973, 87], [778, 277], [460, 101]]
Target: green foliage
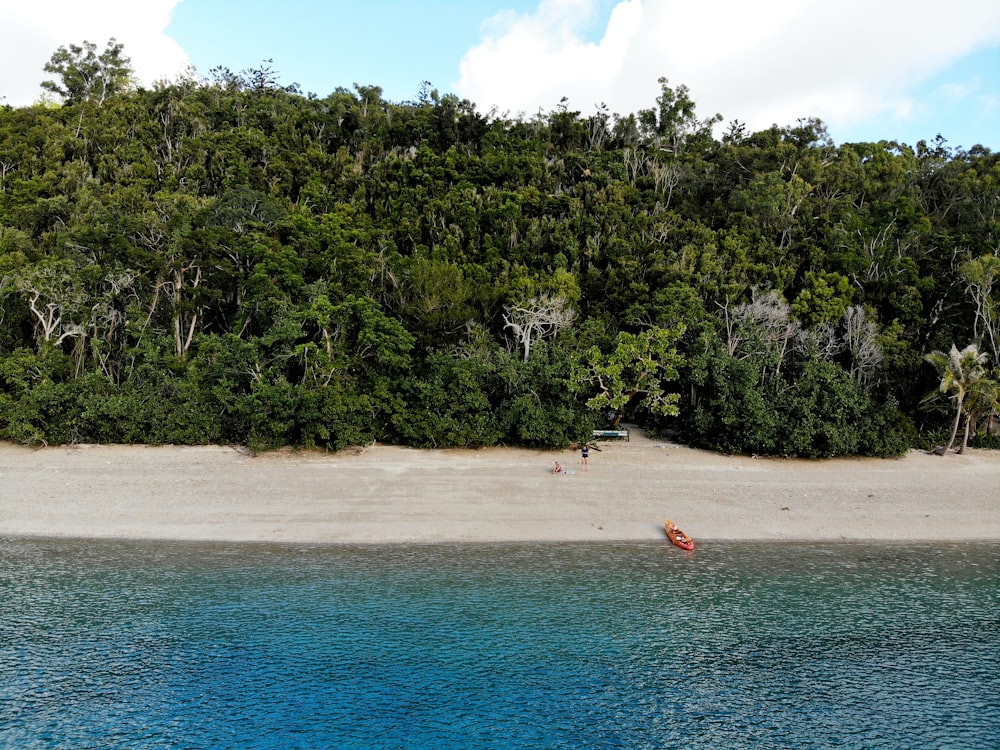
[[817, 411], [824, 413], [823, 299], [635, 369], [86, 76], [732, 413], [967, 384], [982, 280], [229, 261], [537, 406], [448, 404]]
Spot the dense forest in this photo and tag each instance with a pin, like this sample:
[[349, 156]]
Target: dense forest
[[228, 260]]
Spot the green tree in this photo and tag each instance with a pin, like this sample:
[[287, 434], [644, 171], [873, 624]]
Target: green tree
[[674, 119], [535, 406], [227, 259], [84, 75], [824, 298], [447, 403], [961, 373], [637, 366], [815, 408], [981, 402], [730, 409], [982, 281]]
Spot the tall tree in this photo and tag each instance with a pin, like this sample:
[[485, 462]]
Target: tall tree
[[981, 401], [85, 75], [960, 373], [982, 280]]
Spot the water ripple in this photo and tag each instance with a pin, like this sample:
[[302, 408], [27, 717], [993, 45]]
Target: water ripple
[[509, 646]]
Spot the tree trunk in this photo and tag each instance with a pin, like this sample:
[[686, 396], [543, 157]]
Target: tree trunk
[[965, 437], [954, 426]]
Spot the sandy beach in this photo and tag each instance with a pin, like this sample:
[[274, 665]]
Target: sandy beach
[[388, 494]]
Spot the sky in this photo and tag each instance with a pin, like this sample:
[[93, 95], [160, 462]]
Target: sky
[[903, 70]]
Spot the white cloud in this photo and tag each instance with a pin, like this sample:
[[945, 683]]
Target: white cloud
[[35, 29], [761, 62]]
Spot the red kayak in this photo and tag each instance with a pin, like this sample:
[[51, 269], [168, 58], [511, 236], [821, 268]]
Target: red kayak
[[677, 536]]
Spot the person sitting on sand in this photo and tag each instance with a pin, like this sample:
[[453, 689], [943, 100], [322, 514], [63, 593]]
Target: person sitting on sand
[[557, 469]]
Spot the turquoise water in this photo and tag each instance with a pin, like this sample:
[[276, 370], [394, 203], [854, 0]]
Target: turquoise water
[[158, 645]]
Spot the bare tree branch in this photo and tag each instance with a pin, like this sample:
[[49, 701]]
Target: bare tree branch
[[542, 317]]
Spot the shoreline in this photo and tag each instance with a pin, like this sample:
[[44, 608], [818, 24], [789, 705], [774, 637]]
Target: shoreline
[[389, 494]]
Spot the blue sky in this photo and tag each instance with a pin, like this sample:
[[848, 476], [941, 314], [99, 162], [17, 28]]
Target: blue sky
[[394, 44], [870, 69]]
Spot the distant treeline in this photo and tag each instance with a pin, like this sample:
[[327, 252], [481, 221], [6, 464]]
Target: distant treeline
[[228, 261]]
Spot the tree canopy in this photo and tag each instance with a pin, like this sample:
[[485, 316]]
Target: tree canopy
[[227, 260]]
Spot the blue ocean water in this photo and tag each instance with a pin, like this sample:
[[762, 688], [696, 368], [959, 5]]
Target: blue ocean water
[[737, 645]]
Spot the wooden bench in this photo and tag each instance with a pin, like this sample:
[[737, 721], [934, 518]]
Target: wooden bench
[[607, 434]]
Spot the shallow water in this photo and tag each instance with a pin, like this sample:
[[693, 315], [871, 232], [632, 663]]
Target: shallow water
[[737, 645]]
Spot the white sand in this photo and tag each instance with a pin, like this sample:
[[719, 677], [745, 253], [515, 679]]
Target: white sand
[[391, 494]]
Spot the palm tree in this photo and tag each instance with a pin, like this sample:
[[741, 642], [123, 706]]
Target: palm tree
[[981, 400], [961, 372]]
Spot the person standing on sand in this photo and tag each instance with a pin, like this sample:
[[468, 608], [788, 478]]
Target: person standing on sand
[[584, 456]]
